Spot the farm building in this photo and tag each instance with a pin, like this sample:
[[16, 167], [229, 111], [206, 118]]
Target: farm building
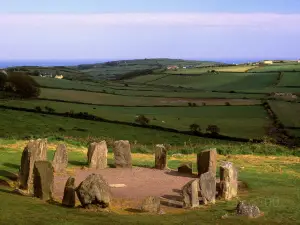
[[172, 67], [268, 62], [59, 77]]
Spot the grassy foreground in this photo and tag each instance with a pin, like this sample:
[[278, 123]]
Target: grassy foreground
[[263, 174]]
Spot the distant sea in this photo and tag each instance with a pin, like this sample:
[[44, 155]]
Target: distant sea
[[5, 64]]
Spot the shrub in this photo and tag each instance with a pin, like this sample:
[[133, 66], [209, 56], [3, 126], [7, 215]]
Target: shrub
[[142, 119], [194, 104], [203, 104], [49, 109], [38, 109], [227, 104], [195, 128], [213, 129], [190, 104]]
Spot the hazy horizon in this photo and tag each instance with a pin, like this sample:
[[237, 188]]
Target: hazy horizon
[[170, 29]]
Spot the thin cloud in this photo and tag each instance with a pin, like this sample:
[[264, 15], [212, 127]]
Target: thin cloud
[[153, 19]]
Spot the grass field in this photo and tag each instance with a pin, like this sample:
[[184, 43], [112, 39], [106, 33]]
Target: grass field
[[287, 112], [110, 99], [262, 174], [290, 79], [235, 121], [276, 68], [221, 81]]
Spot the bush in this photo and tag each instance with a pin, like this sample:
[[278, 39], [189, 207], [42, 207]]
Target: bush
[[189, 104], [143, 120], [38, 109], [23, 85], [227, 104], [203, 104], [195, 128], [213, 129], [49, 109], [194, 104]]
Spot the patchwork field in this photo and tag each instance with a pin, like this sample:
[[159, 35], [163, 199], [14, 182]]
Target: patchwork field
[[293, 67], [234, 121], [287, 112], [290, 79]]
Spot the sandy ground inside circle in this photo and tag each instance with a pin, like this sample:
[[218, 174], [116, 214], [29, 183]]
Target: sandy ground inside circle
[[140, 183]]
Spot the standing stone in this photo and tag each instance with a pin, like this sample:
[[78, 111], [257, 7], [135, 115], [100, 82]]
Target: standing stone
[[97, 155], [245, 209], [208, 187], [151, 204], [69, 193], [160, 157], [207, 161], [186, 168], [60, 160], [43, 180], [94, 190], [36, 150], [122, 154], [190, 194], [228, 181]]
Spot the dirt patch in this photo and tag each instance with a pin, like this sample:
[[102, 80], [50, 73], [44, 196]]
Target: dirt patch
[[140, 183], [209, 101]]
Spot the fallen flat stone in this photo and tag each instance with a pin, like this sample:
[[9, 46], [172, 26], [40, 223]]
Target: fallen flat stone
[[208, 187], [94, 190], [245, 209], [122, 154], [228, 181], [43, 180], [151, 205], [160, 157], [190, 194], [207, 161], [69, 193], [97, 155], [60, 160], [36, 150]]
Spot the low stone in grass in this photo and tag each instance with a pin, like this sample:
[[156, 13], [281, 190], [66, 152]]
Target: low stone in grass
[[60, 160], [43, 180], [246, 209], [69, 193], [97, 155], [151, 205]]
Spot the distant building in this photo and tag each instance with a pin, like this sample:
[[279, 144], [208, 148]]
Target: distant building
[[59, 77], [269, 62], [172, 67], [298, 60]]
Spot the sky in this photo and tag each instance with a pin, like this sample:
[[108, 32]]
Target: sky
[[119, 29]]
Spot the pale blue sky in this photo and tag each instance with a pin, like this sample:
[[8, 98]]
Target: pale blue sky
[[202, 29]]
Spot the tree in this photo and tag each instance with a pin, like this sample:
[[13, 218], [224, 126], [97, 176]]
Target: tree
[[22, 84], [143, 120], [213, 129], [3, 79], [195, 128]]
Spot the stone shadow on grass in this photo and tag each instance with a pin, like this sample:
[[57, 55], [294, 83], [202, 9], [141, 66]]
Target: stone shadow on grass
[[9, 175], [133, 210], [176, 173], [11, 165]]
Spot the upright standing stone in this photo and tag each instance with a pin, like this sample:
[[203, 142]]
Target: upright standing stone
[[36, 150], [207, 161], [160, 157], [60, 160], [97, 155], [69, 193], [94, 190], [190, 194], [122, 154], [43, 180], [228, 181], [208, 187]]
